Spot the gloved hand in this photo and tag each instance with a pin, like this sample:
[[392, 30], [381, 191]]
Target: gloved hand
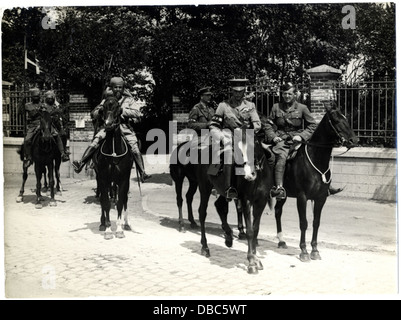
[[297, 139], [277, 140]]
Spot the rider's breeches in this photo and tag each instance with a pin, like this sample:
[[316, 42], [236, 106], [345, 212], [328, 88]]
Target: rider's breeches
[[281, 151]]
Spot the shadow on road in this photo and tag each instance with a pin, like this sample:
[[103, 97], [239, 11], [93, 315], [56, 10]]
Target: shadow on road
[[158, 178]]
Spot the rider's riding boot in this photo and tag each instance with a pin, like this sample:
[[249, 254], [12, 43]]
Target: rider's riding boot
[[79, 165], [64, 155], [140, 165], [278, 191], [230, 192]]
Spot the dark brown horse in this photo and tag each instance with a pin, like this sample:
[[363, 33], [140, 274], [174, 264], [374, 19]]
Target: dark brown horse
[[253, 195], [113, 161], [308, 175], [44, 153], [180, 171]]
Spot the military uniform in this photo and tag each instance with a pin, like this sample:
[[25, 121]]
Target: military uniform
[[233, 115], [286, 122], [200, 116], [129, 112]]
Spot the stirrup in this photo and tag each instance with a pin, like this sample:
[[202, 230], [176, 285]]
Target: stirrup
[[278, 192], [78, 166], [231, 193]]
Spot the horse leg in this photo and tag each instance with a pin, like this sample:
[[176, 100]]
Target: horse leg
[[193, 185], [278, 211], [38, 173], [22, 190], [204, 199], [252, 259], [317, 211], [45, 184], [178, 182], [57, 174], [50, 168], [241, 234], [258, 208], [303, 225], [106, 205], [121, 204], [221, 205]]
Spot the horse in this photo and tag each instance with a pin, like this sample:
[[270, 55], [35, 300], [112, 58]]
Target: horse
[[253, 195], [44, 152], [308, 176], [180, 171], [113, 162], [57, 163]]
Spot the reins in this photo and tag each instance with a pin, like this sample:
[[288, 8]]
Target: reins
[[114, 154]]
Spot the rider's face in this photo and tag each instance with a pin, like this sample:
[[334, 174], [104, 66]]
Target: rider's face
[[206, 98], [117, 90], [289, 95], [238, 95]]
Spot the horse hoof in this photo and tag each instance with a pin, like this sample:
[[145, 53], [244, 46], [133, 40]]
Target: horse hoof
[[229, 241], [120, 235], [127, 227], [205, 252], [282, 245], [194, 225], [102, 227], [304, 257], [259, 265], [315, 255], [53, 203], [253, 270], [181, 229], [38, 206], [242, 236], [108, 236], [19, 199]]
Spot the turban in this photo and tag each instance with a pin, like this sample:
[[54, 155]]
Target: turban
[[116, 81], [35, 92], [50, 94]]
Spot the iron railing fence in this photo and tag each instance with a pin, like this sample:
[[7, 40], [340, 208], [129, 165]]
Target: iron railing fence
[[370, 108], [13, 124]]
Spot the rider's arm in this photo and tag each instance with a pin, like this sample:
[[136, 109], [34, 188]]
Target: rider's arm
[[216, 124], [270, 128], [310, 124], [129, 110], [254, 117], [193, 120], [95, 112]]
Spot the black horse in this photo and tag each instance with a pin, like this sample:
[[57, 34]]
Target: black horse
[[57, 163], [44, 155], [308, 175], [180, 171], [113, 161], [253, 195]]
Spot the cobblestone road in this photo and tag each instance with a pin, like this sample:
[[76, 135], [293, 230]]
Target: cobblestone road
[[59, 252]]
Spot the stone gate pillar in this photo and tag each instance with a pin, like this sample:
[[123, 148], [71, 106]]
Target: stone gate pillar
[[322, 84]]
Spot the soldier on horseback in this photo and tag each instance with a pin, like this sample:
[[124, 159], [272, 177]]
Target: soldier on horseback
[[129, 111], [234, 113], [286, 123], [31, 112]]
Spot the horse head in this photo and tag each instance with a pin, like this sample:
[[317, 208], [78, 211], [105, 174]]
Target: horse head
[[340, 128], [111, 114]]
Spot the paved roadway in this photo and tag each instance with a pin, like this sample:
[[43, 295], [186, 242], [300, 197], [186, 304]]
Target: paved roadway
[[59, 252]]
